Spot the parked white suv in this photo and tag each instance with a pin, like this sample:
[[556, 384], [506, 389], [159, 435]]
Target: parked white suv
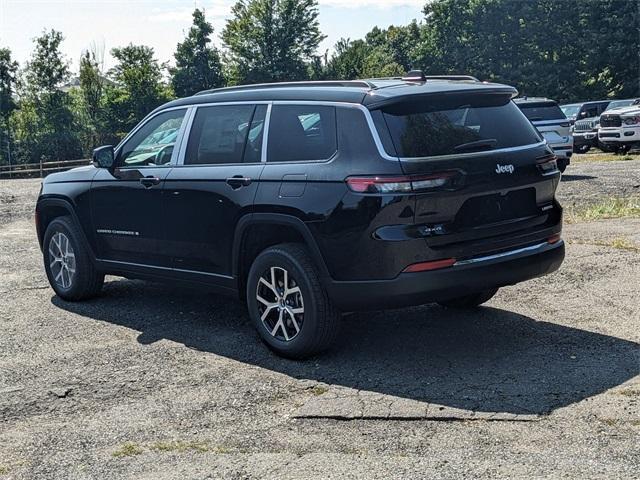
[[620, 127], [551, 122]]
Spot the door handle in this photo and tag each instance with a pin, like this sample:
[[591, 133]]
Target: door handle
[[149, 182], [238, 181]]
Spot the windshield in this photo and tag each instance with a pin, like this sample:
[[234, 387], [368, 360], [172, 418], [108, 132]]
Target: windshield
[[570, 110], [457, 125], [619, 103], [538, 112]]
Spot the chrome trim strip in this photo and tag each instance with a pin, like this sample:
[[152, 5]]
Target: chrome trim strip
[[265, 133], [368, 117], [510, 253], [157, 267]]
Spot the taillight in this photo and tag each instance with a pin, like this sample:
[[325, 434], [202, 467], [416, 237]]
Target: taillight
[[554, 238], [400, 184], [548, 165], [433, 265]]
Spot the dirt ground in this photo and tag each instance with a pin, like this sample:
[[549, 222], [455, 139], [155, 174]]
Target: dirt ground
[[153, 381]]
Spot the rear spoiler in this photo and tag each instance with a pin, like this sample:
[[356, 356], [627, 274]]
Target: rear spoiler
[[373, 102]]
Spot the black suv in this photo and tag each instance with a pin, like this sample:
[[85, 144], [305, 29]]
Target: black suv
[[314, 198]]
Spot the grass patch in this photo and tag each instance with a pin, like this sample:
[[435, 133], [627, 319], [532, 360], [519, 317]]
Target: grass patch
[[318, 390], [180, 447], [629, 393], [128, 450], [609, 421], [609, 208], [602, 157], [619, 243]]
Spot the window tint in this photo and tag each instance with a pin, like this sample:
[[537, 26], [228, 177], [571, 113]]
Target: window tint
[[153, 143], [457, 125], [301, 133], [219, 134], [538, 112]]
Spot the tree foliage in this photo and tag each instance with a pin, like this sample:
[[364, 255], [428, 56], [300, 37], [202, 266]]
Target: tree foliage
[[569, 50], [271, 40], [45, 126], [136, 90], [198, 65]]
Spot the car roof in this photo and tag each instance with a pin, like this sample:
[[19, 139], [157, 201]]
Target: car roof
[[371, 93], [592, 102]]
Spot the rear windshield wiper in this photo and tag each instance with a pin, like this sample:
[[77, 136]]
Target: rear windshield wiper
[[486, 144]]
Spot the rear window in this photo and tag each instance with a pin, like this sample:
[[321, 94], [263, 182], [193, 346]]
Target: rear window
[[538, 112], [457, 126], [299, 133]]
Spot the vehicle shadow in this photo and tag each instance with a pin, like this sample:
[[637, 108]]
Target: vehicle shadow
[[489, 360], [573, 178]]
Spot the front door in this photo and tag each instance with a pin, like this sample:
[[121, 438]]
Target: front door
[[127, 201], [213, 186]]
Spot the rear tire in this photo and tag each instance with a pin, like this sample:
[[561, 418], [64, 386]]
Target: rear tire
[[69, 267], [470, 301], [287, 303]]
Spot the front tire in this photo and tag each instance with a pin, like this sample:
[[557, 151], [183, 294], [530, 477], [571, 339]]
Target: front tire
[[470, 301], [67, 263], [287, 303]]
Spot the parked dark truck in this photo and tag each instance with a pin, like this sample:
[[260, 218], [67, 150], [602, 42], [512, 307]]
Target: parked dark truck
[[314, 198]]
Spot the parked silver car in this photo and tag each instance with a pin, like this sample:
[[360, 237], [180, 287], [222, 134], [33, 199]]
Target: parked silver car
[[551, 122]]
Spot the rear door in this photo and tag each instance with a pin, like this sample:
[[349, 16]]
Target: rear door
[[127, 203], [213, 185], [482, 169], [549, 120]]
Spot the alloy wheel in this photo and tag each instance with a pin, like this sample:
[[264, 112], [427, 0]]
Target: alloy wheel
[[280, 303], [62, 260]]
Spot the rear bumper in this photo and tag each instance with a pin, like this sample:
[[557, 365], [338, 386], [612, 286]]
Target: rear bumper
[[464, 277]]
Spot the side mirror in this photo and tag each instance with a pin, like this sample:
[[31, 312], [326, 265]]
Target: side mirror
[[104, 157]]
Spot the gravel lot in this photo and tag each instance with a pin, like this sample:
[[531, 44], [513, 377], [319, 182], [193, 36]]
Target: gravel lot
[[154, 382]]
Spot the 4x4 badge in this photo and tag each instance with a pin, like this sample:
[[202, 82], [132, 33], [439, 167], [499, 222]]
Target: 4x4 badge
[[504, 168]]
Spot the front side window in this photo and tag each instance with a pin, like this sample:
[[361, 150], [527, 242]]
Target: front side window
[[153, 143], [225, 134], [446, 126], [299, 133]]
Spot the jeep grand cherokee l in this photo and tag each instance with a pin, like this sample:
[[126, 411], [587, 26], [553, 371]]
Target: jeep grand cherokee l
[[311, 199]]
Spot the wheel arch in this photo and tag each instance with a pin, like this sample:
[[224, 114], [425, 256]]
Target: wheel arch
[[257, 231], [48, 209]]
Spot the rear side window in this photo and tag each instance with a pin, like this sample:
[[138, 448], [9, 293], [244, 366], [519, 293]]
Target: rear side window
[[424, 128], [219, 134], [539, 112], [299, 133]]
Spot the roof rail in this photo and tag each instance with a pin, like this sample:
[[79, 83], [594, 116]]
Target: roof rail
[[324, 83], [419, 76]]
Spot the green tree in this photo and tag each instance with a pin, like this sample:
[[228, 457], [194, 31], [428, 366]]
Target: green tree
[[45, 127], [136, 90], [8, 69], [91, 101], [198, 65], [567, 50], [358, 59], [272, 40]]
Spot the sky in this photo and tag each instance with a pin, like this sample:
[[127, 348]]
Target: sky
[[161, 24]]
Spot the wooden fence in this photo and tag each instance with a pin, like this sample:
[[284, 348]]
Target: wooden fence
[[41, 169]]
